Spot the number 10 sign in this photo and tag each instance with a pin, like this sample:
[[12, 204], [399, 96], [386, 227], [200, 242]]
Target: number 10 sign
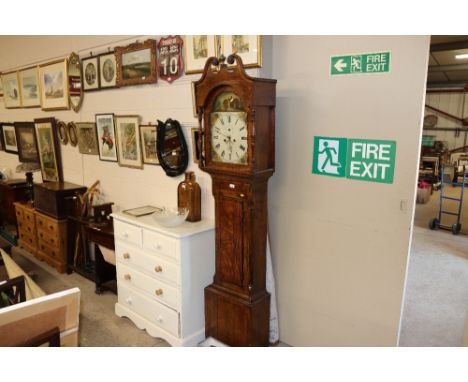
[[170, 64]]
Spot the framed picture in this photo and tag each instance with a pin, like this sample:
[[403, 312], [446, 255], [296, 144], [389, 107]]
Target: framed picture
[[142, 211], [170, 62], [2, 144], [148, 142], [128, 140], [9, 138], [87, 138], [106, 137], [48, 149], [90, 67], [136, 63], [107, 71], [197, 49], [29, 87], [27, 143], [11, 90], [62, 132], [72, 134], [195, 147], [1, 85], [248, 47], [53, 80]]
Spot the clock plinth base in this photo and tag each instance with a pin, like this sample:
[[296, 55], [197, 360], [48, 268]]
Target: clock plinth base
[[236, 321]]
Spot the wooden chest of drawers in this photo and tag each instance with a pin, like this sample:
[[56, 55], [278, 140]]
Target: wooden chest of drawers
[[161, 276], [27, 231], [52, 241]]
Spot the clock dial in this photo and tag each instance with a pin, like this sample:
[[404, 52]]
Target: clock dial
[[229, 137]]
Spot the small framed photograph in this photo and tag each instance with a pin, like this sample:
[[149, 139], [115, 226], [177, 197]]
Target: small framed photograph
[[136, 63], [148, 142], [107, 71], [53, 80], [197, 50], [48, 149], [72, 134], [29, 87], [90, 67], [87, 138], [106, 137], [142, 211], [9, 138], [27, 144], [128, 139], [195, 144], [247, 47], [11, 90], [62, 132]]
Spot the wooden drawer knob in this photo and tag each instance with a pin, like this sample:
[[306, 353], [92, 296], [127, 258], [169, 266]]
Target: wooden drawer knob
[[159, 319], [126, 256], [159, 292], [158, 269], [127, 277]]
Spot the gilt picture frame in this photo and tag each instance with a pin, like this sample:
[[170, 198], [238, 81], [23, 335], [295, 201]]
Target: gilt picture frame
[[128, 139], [148, 134], [10, 142], [247, 47], [48, 149], [197, 49], [87, 138], [136, 63], [29, 87], [11, 90], [107, 142], [27, 142], [53, 80]]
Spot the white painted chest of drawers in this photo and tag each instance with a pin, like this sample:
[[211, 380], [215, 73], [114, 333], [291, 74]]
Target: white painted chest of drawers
[[161, 276]]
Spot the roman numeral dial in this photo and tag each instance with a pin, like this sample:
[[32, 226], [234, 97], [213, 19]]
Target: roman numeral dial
[[229, 143]]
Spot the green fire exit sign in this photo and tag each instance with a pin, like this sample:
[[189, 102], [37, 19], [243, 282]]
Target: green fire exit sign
[[360, 63], [361, 159]]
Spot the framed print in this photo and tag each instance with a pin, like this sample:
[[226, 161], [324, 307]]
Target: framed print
[[87, 138], [128, 139], [48, 149], [136, 63], [107, 71], [11, 90], [72, 134], [148, 143], [197, 49], [29, 87], [53, 80], [9, 138], [170, 62], [247, 47], [195, 144], [62, 132], [106, 137], [90, 67], [27, 144]]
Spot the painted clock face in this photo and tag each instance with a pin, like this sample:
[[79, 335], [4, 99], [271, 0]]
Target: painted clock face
[[228, 130]]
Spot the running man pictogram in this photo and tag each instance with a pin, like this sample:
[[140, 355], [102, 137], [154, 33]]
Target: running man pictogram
[[328, 152]]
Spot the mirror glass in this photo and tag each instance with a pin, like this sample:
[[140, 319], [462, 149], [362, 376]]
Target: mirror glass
[[172, 147], [74, 82]]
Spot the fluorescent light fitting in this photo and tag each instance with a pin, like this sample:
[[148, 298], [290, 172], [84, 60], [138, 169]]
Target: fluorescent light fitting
[[461, 56]]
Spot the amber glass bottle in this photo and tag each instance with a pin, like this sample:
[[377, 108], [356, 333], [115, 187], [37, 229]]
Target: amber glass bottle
[[189, 196]]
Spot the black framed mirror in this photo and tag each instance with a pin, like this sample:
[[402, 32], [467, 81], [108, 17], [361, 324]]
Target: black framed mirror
[[172, 147], [74, 82]]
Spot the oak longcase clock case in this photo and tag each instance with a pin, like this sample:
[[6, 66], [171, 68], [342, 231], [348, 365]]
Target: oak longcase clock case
[[237, 142]]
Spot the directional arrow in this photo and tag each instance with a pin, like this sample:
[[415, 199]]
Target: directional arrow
[[340, 65]]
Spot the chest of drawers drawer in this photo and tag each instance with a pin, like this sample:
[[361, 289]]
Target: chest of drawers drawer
[[52, 239], [152, 287], [26, 228], [160, 244], [47, 225], [153, 311], [127, 233], [148, 263]]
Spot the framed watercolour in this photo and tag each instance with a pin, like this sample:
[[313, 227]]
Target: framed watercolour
[[53, 80], [27, 144], [9, 138], [170, 63], [48, 149], [62, 132], [128, 139], [148, 143], [87, 138], [29, 87], [72, 134], [106, 137], [136, 63], [107, 71], [195, 144], [247, 47], [197, 49], [90, 67], [11, 90]]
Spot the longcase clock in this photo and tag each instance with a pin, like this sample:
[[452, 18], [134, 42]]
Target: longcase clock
[[237, 144]]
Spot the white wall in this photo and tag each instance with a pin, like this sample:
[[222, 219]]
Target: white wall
[[340, 246]]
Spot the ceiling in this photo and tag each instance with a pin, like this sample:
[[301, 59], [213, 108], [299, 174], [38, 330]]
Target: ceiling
[[444, 69]]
